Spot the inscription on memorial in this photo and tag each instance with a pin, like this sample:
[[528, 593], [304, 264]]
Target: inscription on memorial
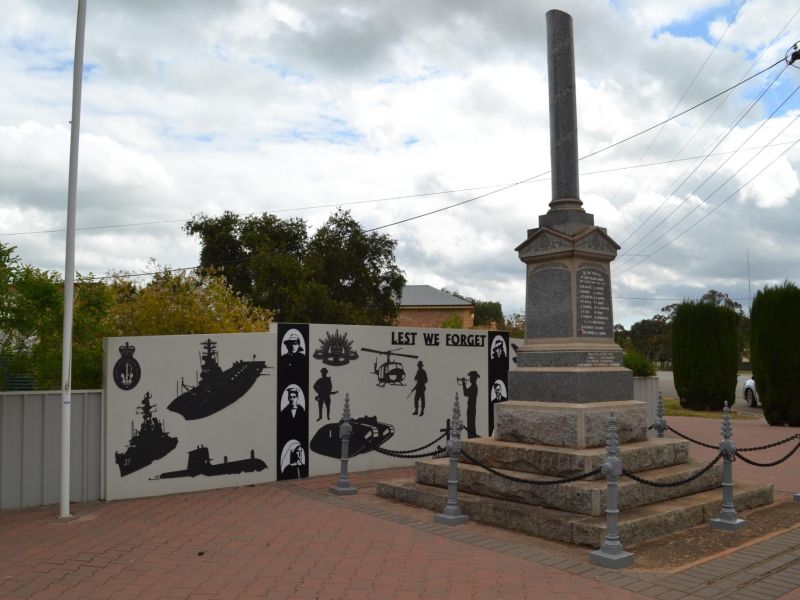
[[594, 303], [600, 359]]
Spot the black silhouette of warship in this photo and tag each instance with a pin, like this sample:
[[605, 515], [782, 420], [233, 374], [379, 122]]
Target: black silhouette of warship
[[199, 463], [150, 442], [368, 434], [216, 388]]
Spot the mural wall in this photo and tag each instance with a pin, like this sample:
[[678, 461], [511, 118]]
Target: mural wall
[[186, 413]]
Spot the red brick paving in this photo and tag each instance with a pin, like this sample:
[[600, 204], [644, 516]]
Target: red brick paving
[[256, 542], [271, 542]]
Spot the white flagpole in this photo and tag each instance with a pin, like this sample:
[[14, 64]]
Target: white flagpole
[[69, 268]]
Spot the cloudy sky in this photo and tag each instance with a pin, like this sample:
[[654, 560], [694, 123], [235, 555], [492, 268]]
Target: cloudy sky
[[385, 107]]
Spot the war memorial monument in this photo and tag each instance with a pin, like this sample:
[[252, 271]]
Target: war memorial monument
[[569, 381]]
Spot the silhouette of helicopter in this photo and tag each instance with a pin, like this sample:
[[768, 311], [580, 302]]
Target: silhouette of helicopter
[[390, 371]]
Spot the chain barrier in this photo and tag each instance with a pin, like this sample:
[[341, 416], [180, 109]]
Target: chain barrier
[[796, 436], [438, 452], [530, 481], [469, 431], [660, 484], [694, 441], [774, 463]]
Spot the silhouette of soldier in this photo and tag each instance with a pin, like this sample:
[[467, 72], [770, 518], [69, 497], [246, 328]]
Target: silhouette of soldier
[[421, 377], [293, 415], [471, 393], [324, 388]]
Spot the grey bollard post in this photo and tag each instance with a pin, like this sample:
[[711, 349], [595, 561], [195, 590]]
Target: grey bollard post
[[451, 515], [343, 487], [660, 424], [727, 519], [611, 554]]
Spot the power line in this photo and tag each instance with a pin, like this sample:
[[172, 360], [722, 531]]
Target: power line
[[701, 219], [499, 189], [678, 103], [722, 139], [708, 118]]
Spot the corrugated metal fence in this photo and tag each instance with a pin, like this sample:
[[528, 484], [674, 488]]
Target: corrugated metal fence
[[30, 447]]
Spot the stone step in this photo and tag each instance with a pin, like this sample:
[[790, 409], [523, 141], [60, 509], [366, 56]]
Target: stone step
[[654, 453], [582, 497], [636, 525]]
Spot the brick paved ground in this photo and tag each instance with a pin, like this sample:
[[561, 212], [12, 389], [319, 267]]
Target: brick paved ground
[[293, 540]]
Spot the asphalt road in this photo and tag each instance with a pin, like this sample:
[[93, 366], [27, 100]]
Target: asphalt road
[[667, 388]]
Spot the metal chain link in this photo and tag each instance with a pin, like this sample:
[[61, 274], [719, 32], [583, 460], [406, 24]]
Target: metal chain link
[[796, 436], [694, 441], [421, 447], [530, 481], [438, 452], [660, 484], [769, 464]]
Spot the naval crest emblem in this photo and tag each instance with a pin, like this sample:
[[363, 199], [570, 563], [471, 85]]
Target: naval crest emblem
[[127, 371]]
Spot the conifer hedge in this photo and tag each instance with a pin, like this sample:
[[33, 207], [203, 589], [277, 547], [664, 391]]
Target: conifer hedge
[[775, 352], [705, 356]]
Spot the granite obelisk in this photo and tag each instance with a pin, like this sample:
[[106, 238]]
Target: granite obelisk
[[571, 370]]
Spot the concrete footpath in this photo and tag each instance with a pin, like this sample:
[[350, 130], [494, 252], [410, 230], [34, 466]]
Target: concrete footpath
[[294, 540]]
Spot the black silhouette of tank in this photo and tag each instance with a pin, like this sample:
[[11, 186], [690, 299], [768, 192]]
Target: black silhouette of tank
[[216, 388], [199, 463], [150, 442], [368, 434]]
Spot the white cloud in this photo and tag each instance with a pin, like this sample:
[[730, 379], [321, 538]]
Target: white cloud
[[198, 106]]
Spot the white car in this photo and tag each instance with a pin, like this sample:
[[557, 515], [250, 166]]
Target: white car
[[750, 394]]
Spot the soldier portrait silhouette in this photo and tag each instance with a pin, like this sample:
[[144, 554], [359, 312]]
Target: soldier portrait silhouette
[[293, 354], [499, 394], [499, 348]]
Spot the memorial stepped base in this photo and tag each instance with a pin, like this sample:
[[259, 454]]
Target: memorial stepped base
[[579, 497], [636, 525], [574, 512]]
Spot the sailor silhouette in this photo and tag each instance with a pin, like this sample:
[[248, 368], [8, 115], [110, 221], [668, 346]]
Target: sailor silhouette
[[292, 418]]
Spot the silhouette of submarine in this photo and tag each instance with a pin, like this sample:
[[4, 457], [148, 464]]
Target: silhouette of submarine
[[216, 388], [199, 463], [368, 434]]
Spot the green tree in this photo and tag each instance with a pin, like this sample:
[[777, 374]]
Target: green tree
[[776, 352], [515, 324], [341, 274], [705, 355], [651, 338], [32, 325], [175, 303]]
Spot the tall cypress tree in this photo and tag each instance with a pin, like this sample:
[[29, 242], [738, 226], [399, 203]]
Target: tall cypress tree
[[774, 335], [705, 355]]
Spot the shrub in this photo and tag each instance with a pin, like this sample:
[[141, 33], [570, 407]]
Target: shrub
[[453, 322], [638, 363], [775, 352], [705, 355]]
